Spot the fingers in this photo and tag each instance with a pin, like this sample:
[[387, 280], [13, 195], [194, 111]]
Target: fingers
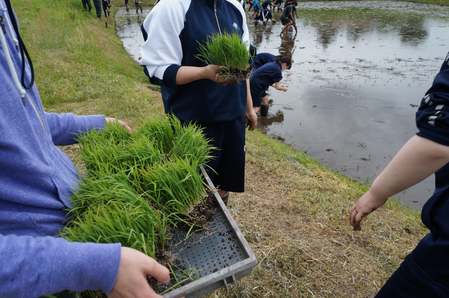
[[148, 292], [156, 270], [355, 218], [125, 125], [122, 123]]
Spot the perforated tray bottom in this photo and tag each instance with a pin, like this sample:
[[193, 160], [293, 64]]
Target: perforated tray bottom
[[216, 255], [209, 250]]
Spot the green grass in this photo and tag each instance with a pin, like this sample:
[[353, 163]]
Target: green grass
[[225, 50]]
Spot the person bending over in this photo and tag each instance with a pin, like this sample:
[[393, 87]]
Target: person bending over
[[425, 271], [270, 74]]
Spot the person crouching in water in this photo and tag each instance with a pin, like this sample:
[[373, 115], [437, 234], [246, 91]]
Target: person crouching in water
[[269, 74], [193, 91], [425, 271]]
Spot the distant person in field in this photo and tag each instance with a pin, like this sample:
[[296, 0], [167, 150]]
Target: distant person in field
[[138, 5], [269, 74], [425, 271], [278, 5], [106, 6], [288, 17], [265, 13], [256, 8], [98, 8], [86, 5], [126, 5]]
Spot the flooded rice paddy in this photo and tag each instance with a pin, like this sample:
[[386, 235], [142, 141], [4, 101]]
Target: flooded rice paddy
[[359, 72]]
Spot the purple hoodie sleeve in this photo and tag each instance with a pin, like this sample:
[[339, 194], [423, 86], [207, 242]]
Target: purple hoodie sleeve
[[66, 127], [36, 266]]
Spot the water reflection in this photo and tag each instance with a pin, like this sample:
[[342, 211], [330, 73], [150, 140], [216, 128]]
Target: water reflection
[[413, 31], [353, 89], [410, 28]]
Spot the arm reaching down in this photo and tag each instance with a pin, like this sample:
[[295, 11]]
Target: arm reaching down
[[250, 112], [417, 160], [280, 87], [421, 156]]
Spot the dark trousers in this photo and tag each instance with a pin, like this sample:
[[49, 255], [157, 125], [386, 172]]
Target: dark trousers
[[97, 4], [423, 273], [106, 4], [228, 163], [86, 4]]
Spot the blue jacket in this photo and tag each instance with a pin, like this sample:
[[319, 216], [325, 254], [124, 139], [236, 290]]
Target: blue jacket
[[262, 59], [175, 30], [262, 78], [432, 118], [36, 183]]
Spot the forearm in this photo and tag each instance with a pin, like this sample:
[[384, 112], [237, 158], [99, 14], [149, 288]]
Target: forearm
[[189, 74], [249, 98], [66, 127], [417, 159], [35, 266]]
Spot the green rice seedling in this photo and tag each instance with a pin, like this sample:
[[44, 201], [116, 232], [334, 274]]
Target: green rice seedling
[[135, 225], [139, 153], [160, 131], [191, 145], [228, 51], [100, 148], [174, 187], [99, 191]]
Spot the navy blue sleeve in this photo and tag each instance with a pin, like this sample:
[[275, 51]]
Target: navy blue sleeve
[[432, 117], [170, 75], [275, 73]]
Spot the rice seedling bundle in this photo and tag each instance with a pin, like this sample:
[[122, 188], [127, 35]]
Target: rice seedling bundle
[[174, 187], [228, 51], [138, 185]]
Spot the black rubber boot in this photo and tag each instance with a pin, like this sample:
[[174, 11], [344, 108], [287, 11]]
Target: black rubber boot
[[264, 110]]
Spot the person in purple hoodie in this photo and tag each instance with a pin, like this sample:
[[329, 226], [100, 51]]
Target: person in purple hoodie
[[36, 183]]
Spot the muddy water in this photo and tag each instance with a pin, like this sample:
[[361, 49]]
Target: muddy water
[[360, 70]]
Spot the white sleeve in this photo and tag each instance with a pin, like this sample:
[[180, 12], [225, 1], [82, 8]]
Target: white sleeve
[[163, 47], [245, 36]]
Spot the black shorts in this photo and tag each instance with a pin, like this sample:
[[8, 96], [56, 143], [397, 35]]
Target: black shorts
[[228, 161]]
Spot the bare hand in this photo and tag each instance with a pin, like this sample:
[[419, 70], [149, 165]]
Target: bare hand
[[363, 207], [212, 72], [252, 119], [135, 268], [281, 87], [120, 122]]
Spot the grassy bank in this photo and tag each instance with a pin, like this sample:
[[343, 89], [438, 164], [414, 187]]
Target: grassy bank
[[294, 212]]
